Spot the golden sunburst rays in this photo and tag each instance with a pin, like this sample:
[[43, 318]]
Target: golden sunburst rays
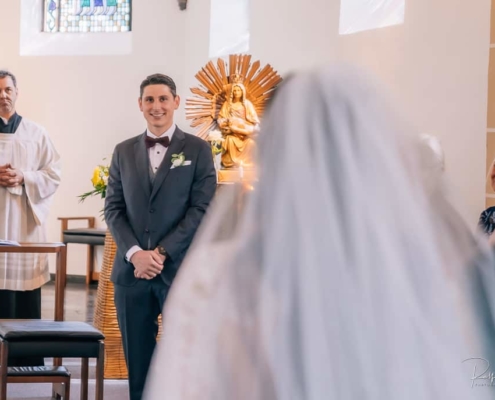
[[215, 82]]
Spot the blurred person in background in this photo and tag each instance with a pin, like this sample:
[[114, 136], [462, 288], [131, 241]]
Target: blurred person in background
[[486, 222], [345, 277]]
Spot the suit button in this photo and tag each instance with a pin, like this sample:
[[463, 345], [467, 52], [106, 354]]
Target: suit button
[[152, 211], [147, 230]]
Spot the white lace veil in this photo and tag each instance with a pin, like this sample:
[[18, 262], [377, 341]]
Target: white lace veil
[[347, 275]]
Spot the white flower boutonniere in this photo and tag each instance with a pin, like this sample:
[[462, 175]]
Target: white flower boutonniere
[[179, 160]]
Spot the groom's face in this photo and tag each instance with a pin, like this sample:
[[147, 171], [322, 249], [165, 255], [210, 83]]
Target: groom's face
[[158, 105]]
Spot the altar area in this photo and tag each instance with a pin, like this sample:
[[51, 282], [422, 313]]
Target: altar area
[[225, 110]]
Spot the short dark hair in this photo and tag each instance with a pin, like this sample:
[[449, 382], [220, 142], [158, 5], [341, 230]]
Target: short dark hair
[[158, 79], [4, 73]]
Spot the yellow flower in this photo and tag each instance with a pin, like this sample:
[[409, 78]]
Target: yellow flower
[[100, 181], [96, 179]]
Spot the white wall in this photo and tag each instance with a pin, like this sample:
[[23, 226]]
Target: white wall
[[436, 65]]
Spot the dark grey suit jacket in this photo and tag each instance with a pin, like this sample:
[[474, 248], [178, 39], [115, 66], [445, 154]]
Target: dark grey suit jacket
[[165, 213]]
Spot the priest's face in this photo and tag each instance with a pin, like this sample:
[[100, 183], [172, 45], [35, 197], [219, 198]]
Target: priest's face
[[158, 105], [8, 97]]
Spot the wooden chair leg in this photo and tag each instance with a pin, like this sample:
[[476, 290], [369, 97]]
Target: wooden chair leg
[[90, 264], [63, 259], [100, 366], [67, 389], [84, 378], [4, 356]]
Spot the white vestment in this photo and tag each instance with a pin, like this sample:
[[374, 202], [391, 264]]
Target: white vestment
[[24, 209]]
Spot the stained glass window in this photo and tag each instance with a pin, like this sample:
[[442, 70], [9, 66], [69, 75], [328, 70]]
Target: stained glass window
[[82, 16]]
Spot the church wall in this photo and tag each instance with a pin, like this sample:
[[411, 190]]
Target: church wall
[[434, 66]]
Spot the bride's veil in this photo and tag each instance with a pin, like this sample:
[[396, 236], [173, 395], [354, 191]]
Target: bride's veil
[[345, 274]]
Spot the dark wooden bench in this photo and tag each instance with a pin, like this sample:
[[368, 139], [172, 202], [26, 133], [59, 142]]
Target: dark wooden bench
[[57, 339]]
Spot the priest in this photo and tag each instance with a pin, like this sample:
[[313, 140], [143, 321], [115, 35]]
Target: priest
[[29, 176]]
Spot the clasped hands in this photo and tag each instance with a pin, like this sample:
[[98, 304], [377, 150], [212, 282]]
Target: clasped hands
[[10, 177], [147, 263]]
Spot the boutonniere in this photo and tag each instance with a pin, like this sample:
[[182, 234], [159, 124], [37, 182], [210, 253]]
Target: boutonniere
[[179, 160]]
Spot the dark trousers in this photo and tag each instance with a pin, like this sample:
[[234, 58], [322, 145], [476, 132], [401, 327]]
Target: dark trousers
[[21, 305], [138, 308]]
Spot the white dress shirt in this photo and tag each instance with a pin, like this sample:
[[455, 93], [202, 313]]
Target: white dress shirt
[[156, 155], [157, 152]]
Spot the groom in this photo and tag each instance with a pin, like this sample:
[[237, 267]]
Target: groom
[[160, 185]]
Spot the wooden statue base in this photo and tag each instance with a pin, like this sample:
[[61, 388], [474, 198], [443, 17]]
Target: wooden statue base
[[234, 175]]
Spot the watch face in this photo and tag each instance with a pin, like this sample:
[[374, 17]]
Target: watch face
[[162, 251]]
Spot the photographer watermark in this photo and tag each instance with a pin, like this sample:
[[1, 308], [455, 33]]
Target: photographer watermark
[[482, 375]]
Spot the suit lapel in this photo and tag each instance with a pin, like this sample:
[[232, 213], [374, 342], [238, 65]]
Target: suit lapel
[[176, 146], [142, 163]]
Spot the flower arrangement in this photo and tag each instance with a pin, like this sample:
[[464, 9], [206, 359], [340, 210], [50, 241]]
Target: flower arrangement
[[99, 181], [215, 138]]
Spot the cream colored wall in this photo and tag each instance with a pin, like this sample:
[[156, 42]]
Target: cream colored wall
[[435, 65]]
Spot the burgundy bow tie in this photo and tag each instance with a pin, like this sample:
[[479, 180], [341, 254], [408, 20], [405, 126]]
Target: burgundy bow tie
[[150, 142]]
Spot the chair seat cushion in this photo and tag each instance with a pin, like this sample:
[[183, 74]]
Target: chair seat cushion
[[46, 330], [55, 348], [38, 371], [92, 236]]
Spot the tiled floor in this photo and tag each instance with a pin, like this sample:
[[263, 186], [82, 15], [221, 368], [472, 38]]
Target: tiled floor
[[79, 302]]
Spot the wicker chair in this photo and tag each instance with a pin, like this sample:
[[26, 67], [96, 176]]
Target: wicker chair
[[105, 317]]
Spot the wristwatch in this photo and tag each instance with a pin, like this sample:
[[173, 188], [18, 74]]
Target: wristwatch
[[162, 251]]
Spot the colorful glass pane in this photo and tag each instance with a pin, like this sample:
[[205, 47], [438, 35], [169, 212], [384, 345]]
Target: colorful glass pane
[[51, 15], [83, 16]]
